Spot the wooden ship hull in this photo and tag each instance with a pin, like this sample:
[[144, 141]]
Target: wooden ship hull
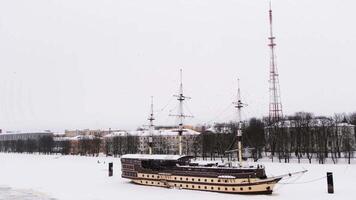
[[171, 171]]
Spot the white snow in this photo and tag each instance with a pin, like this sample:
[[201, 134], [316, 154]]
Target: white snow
[[44, 177]]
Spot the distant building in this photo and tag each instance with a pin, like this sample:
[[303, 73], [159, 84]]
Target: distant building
[[164, 141], [13, 136], [95, 132]]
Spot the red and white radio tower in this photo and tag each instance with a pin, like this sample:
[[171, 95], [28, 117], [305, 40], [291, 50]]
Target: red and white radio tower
[[275, 104]]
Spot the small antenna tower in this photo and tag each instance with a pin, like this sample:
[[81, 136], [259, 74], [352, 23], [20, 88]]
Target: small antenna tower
[[275, 105], [181, 116]]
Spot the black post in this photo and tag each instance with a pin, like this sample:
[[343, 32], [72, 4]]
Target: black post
[[110, 169], [330, 182]]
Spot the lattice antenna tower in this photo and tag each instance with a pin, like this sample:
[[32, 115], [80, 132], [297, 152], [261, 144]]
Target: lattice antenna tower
[[275, 104]]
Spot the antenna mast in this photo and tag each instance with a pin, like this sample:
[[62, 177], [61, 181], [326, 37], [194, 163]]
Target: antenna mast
[[275, 105], [239, 105], [151, 128], [181, 115]]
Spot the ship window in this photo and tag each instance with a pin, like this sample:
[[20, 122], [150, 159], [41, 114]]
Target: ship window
[[157, 176], [186, 179], [233, 189], [241, 189], [205, 180], [199, 186], [180, 185], [175, 178], [219, 180], [152, 182], [225, 181], [175, 185], [187, 185], [192, 186], [146, 182], [180, 178], [153, 176], [249, 188], [205, 187], [218, 188], [225, 188], [212, 188], [268, 188], [212, 180], [158, 183], [192, 179], [199, 179]]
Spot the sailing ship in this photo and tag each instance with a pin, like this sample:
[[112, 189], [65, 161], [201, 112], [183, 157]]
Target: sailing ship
[[179, 171]]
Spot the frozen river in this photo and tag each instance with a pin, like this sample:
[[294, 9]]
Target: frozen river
[[8, 193], [53, 177]]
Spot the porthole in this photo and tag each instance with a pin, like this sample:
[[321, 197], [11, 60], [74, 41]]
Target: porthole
[[241, 189], [212, 180], [186, 179], [146, 182], [157, 176], [180, 185], [225, 181], [151, 182], [192, 179], [218, 188], [249, 188], [175, 185], [181, 178], [186, 186], [175, 178], [233, 189], [219, 180], [205, 180], [199, 179], [192, 186], [205, 187], [212, 188], [225, 188], [199, 186]]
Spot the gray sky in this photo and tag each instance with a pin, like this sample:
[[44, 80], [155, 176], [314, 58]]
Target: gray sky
[[95, 64]]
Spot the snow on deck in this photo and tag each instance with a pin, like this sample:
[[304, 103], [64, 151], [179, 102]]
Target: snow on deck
[[86, 178], [152, 156]]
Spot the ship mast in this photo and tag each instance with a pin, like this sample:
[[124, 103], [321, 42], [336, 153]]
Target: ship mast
[[151, 128], [180, 115], [239, 105]]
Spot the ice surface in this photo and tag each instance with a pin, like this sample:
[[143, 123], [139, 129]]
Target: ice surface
[[86, 178], [7, 193]]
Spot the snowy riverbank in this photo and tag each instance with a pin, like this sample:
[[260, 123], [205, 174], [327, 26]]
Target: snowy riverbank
[[45, 177]]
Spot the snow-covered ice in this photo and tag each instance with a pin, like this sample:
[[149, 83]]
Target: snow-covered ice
[[54, 177]]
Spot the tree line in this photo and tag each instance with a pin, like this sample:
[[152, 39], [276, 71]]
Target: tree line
[[299, 136]]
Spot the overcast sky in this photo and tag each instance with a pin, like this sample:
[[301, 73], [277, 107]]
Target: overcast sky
[[95, 64]]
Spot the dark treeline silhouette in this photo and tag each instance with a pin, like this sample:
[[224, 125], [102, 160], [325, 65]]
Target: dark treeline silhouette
[[120, 145], [300, 136], [42, 145]]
